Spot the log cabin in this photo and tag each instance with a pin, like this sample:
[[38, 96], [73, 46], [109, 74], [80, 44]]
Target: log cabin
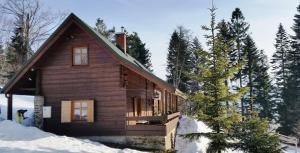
[[86, 86]]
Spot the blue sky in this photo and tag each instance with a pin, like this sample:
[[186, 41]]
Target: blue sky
[[155, 20]]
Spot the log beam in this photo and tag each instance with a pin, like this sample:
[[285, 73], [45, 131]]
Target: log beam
[[9, 106]]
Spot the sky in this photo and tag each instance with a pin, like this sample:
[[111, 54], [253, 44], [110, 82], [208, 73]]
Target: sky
[[155, 20]]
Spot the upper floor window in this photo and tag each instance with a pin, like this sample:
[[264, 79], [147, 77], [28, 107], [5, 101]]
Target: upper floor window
[[80, 56]]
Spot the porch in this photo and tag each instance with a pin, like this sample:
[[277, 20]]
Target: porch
[[151, 125]]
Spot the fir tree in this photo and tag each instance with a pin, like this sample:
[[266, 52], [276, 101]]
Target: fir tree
[[289, 110], [239, 29], [279, 63], [101, 28], [227, 39], [18, 51], [254, 136], [210, 100], [196, 58], [249, 71], [136, 48], [178, 59], [264, 97]]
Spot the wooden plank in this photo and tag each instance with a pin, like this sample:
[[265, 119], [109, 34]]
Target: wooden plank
[[145, 127], [171, 116], [147, 118], [9, 107], [172, 124]]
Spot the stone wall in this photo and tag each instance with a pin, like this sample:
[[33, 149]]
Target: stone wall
[[144, 142], [38, 111]]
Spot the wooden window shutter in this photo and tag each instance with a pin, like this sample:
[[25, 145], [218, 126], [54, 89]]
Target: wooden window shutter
[[90, 110], [66, 111]]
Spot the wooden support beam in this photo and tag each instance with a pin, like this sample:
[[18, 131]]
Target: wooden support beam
[[9, 106], [38, 82], [162, 101], [27, 89], [166, 101]]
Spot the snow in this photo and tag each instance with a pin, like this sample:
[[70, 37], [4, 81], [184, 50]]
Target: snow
[[19, 102], [16, 138], [191, 125], [290, 149]]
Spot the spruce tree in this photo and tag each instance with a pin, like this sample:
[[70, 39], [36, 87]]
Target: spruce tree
[[279, 63], [227, 39], [289, 110], [18, 51], [137, 49], [249, 71], [196, 49], [179, 59], [264, 98], [254, 136], [101, 28], [239, 28], [210, 100]]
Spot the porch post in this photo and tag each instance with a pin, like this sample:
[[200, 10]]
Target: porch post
[[38, 111], [9, 106], [162, 101]]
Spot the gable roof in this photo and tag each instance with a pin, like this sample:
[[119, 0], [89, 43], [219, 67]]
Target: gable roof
[[127, 60]]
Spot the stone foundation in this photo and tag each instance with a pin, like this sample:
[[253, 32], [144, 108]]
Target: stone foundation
[[144, 142], [38, 111]]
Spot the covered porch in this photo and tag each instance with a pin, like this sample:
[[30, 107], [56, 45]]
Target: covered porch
[[28, 85], [157, 116]]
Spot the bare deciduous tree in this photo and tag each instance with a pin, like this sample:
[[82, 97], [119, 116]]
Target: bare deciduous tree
[[38, 21]]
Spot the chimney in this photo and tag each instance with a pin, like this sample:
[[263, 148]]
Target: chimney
[[121, 40]]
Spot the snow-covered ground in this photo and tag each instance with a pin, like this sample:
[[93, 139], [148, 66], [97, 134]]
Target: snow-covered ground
[[15, 138], [190, 125]]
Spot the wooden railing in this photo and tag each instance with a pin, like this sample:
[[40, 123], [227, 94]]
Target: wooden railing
[[164, 118], [167, 124]]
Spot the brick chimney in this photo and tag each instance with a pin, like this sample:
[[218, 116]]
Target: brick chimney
[[121, 40]]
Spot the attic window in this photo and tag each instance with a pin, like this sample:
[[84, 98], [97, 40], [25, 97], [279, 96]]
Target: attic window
[[80, 56]]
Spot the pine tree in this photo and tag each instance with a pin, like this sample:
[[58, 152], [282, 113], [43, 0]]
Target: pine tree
[[264, 98], [239, 28], [196, 58], [18, 51], [249, 71], [136, 48], [289, 110], [178, 59], [254, 136], [227, 39], [101, 28], [279, 63], [210, 100]]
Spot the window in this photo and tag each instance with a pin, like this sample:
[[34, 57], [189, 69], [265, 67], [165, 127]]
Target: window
[[80, 56], [80, 110], [77, 110]]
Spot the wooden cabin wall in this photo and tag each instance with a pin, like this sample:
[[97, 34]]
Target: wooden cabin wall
[[100, 81], [141, 88]]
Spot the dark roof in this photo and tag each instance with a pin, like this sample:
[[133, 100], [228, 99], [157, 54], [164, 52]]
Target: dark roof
[[99, 37]]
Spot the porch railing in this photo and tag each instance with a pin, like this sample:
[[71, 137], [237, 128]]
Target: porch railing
[[163, 119]]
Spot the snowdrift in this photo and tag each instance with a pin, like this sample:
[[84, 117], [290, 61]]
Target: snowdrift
[[15, 138]]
